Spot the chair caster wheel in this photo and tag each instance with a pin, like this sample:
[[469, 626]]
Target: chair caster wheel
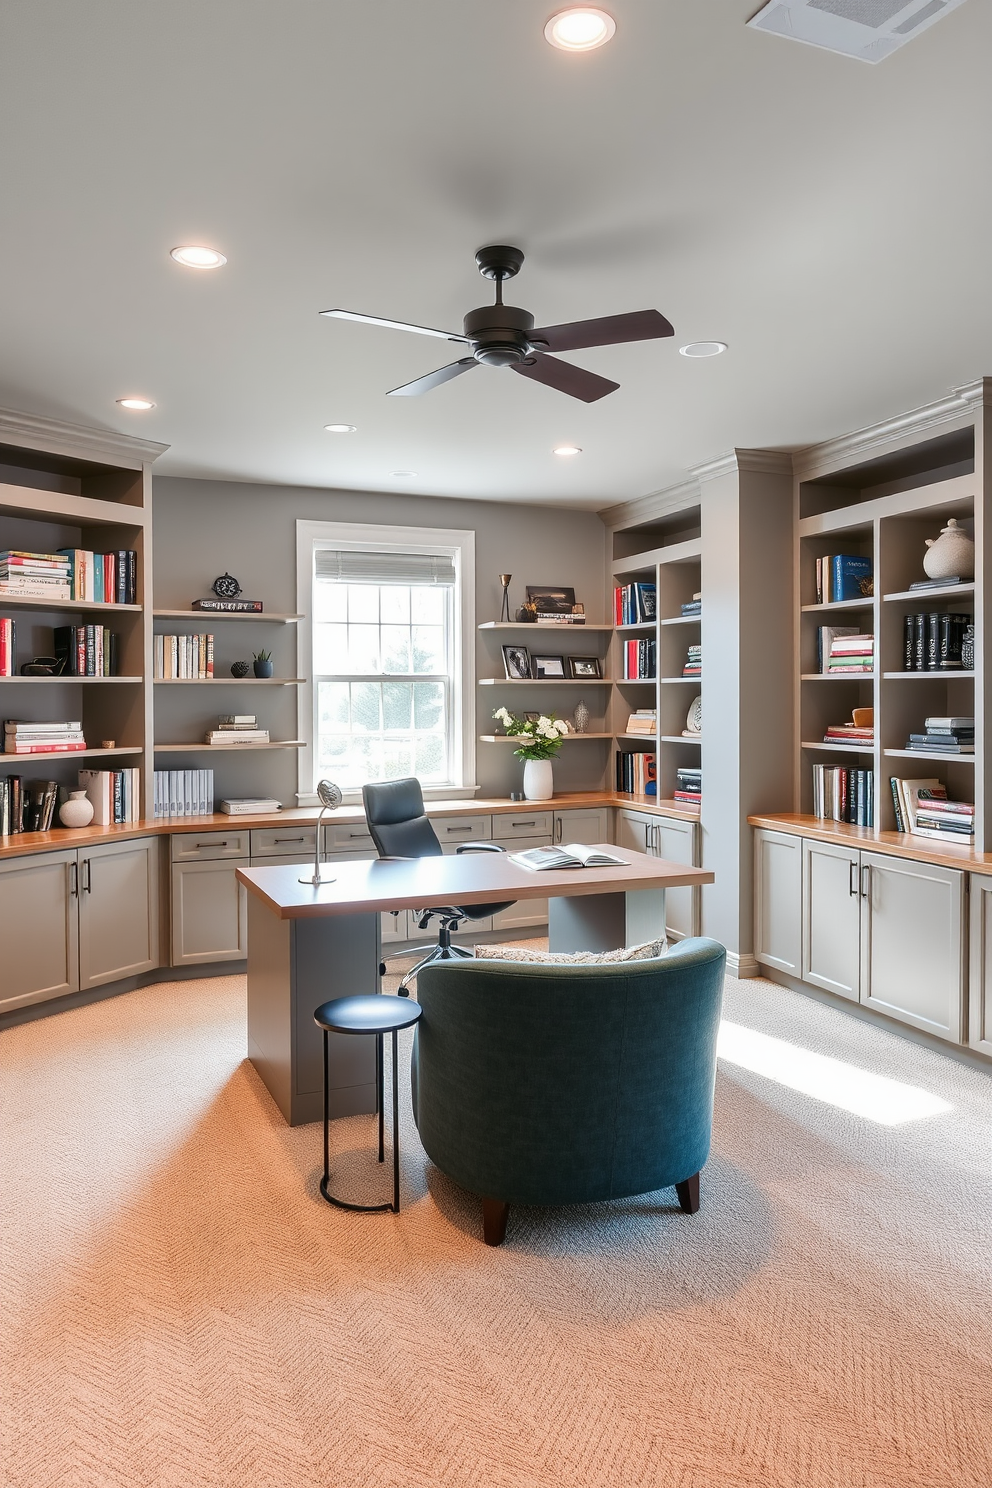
[[382, 968], [403, 992]]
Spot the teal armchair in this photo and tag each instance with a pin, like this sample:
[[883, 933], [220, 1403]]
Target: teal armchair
[[569, 1084]]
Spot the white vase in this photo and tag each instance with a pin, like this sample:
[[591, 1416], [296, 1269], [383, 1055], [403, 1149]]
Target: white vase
[[539, 780], [77, 811], [951, 555]]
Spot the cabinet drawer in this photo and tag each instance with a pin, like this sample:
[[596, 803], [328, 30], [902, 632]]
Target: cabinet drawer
[[281, 842], [348, 837], [536, 824], [463, 828], [198, 847]]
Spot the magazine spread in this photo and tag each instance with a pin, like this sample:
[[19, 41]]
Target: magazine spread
[[572, 855]]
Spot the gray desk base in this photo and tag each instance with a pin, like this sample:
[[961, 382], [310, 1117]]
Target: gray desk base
[[295, 965]]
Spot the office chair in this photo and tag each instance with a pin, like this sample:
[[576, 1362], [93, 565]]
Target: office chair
[[394, 810]]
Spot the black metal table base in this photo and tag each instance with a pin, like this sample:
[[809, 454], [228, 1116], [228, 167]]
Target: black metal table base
[[325, 1192]]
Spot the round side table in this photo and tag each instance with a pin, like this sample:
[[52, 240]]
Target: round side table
[[377, 1014]]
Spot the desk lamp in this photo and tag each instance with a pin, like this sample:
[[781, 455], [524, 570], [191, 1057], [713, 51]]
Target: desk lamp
[[329, 795]]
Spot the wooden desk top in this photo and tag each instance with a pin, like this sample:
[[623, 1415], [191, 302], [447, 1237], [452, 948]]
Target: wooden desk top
[[467, 878]]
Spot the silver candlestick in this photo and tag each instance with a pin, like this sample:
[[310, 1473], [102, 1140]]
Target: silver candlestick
[[329, 795]]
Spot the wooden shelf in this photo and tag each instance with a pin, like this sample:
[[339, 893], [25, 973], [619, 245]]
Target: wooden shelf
[[923, 754], [79, 605], [70, 677], [542, 682], [682, 620], [681, 738], [29, 760], [682, 679], [837, 676], [841, 748], [840, 604], [69, 510], [272, 618], [636, 625], [534, 626], [518, 739], [226, 748], [948, 591], [636, 681], [927, 676], [230, 681]]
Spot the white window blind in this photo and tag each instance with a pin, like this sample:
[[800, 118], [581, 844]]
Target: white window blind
[[345, 566]]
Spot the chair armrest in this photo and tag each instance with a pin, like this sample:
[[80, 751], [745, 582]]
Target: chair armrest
[[479, 847]]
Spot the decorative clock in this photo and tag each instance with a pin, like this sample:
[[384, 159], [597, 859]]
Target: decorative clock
[[226, 587]]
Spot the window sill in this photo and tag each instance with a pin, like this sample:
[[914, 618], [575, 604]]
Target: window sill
[[435, 793]]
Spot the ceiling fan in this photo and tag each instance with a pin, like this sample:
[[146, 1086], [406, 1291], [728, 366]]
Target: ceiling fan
[[504, 336]]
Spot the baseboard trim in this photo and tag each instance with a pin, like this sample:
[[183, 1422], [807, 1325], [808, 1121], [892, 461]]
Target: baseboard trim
[[743, 965]]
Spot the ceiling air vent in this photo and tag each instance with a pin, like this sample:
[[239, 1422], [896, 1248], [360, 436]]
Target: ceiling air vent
[[867, 29]]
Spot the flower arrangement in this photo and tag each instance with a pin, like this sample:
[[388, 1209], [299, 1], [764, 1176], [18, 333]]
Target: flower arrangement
[[540, 737]]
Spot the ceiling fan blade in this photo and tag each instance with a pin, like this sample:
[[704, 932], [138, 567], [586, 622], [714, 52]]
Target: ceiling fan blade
[[433, 379], [608, 330], [393, 325], [575, 381]]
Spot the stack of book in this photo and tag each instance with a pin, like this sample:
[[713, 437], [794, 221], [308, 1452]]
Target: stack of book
[[237, 728], [8, 648], [184, 792], [577, 617], [42, 738], [34, 575], [953, 821], [250, 806], [945, 736], [637, 774], [851, 654], [642, 721], [186, 656], [850, 733], [844, 795], [40, 802], [103, 578], [909, 796], [843, 576], [694, 606], [639, 660], [11, 805], [115, 794], [86, 650], [693, 662], [634, 603], [932, 643], [689, 786]]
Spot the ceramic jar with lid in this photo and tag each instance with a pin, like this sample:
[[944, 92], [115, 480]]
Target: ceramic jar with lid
[[951, 555]]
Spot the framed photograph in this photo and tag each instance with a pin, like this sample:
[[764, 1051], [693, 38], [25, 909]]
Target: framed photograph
[[551, 599], [584, 666], [531, 717], [549, 668], [516, 662]]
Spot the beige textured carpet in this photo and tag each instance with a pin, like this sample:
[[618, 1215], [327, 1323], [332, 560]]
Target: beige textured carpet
[[179, 1309]]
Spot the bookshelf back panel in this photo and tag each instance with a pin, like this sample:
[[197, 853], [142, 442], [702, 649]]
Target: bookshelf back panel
[[902, 545], [906, 704]]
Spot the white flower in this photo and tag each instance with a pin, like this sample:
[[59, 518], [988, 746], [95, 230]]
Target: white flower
[[503, 717]]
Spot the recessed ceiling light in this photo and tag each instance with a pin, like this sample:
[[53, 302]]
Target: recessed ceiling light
[[581, 28], [403, 474], [135, 403], [566, 449], [194, 256], [340, 428], [703, 348]]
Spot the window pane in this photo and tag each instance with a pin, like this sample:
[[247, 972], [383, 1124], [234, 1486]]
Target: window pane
[[428, 706], [430, 762], [329, 643], [333, 711], [363, 650], [396, 703], [395, 648], [429, 649], [394, 604], [363, 603], [330, 602], [428, 603], [365, 710]]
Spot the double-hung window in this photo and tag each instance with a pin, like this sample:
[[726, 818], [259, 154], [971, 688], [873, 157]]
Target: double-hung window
[[386, 623]]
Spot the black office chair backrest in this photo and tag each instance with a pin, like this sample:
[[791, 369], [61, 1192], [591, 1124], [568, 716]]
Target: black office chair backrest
[[394, 810]]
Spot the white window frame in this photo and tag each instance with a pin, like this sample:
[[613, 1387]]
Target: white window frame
[[460, 545]]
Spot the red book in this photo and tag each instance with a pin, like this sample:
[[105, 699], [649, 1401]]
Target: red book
[[45, 748]]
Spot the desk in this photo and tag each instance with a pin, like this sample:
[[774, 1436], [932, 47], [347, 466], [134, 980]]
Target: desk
[[307, 945]]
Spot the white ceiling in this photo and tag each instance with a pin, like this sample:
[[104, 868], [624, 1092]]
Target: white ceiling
[[830, 220]]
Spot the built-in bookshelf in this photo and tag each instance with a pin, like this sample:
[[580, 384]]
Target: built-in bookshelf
[[63, 487], [884, 509]]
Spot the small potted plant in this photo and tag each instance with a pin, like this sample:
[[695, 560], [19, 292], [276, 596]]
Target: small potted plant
[[262, 663], [540, 740]]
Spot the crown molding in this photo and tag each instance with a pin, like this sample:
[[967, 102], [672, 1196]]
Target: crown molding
[[759, 461], [653, 507], [75, 441], [864, 444]]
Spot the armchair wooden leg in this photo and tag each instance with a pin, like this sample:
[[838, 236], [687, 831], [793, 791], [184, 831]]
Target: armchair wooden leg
[[494, 1217], [688, 1193]]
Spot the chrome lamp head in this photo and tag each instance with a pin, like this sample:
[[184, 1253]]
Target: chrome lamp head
[[329, 795]]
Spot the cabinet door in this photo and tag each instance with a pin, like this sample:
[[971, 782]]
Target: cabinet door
[[118, 910], [635, 830], [831, 917], [209, 914], [912, 942], [38, 928], [582, 826], [980, 977], [676, 841], [778, 900]]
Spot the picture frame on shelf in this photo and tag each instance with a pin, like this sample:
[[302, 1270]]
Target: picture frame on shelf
[[551, 599], [582, 667], [548, 668], [516, 663]]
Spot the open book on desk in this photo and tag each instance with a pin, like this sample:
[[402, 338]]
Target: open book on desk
[[572, 855]]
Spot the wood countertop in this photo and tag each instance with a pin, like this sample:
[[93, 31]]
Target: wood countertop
[[896, 844], [372, 885], [61, 838]]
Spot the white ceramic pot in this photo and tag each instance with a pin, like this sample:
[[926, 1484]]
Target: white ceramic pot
[[539, 780], [951, 555], [77, 811]]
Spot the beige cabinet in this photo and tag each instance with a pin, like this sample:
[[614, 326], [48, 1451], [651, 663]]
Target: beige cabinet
[[118, 910], [209, 913], [39, 928], [588, 826], [831, 917], [980, 963], [672, 838], [778, 893]]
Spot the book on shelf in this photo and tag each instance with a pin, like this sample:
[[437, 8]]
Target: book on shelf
[[8, 647], [692, 607], [228, 736], [229, 606], [906, 795], [844, 795], [86, 650], [846, 650], [932, 642], [936, 583], [634, 604], [935, 721], [103, 578], [848, 733], [639, 660], [188, 657], [561, 619], [572, 855], [236, 720], [948, 736], [642, 721], [183, 793], [693, 666], [11, 805], [250, 806], [637, 772], [115, 795], [41, 797], [42, 738], [843, 576]]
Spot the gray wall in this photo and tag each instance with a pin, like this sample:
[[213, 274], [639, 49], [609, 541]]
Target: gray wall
[[204, 527]]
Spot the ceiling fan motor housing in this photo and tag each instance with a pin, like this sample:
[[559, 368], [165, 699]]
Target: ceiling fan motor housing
[[500, 334]]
